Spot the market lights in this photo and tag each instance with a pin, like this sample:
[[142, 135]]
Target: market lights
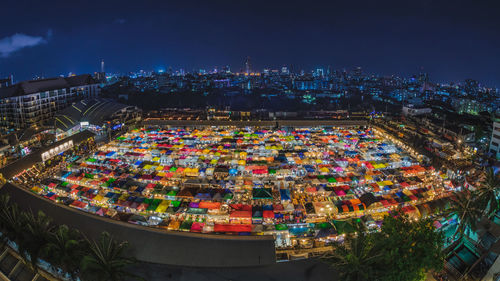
[[295, 184]]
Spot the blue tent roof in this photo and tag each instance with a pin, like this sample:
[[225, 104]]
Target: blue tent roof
[[285, 194]]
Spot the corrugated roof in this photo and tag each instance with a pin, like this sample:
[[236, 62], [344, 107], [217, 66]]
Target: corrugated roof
[[95, 111]]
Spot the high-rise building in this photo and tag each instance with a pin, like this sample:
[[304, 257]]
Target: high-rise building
[[495, 138], [284, 70], [101, 76], [357, 72], [248, 66], [36, 101], [319, 72], [423, 77], [469, 106], [471, 87]]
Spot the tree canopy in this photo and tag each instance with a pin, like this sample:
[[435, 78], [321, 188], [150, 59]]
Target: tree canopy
[[404, 249]]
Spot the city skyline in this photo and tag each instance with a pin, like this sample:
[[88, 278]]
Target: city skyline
[[211, 70], [450, 42]]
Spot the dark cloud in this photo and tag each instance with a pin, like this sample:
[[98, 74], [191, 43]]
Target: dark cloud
[[18, 41]]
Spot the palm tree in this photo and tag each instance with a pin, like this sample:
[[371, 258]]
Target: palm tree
[[355, 258], [465, 206], [10, 220], [35, 235], [4, 210], [4, 201], [488, 193], [106, 261], [65, 249]]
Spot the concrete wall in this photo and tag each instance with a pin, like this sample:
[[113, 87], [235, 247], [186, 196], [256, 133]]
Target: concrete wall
[[283, 123], [156, 245]]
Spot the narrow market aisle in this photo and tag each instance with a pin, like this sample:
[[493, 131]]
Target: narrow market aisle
[[304, 270]]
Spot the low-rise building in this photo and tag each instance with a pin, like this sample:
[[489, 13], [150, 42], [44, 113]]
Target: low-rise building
[[411, 110], [98, 115]]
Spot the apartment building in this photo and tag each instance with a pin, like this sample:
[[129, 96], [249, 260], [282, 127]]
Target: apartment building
[[495, 138], [35, 102]]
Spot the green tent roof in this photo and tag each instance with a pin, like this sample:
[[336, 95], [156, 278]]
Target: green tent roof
[[281, 226], [262, 193]]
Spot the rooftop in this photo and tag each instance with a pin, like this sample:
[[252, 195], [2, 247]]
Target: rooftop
[[42, 85], [94, 111], [31, 159]]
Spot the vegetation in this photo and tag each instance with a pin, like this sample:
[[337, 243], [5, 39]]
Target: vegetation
[[409, 248], [106, 260], [403, 250], [356, 259], [471, 205], [35, 231], [69, 253], [488, 193], [464, 205], [65, 248], [237, 99]]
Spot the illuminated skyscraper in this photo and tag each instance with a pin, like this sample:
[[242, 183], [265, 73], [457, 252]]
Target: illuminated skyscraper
[[319, 72], [100, 76], [285, 70], [248, 66], [357, 72]]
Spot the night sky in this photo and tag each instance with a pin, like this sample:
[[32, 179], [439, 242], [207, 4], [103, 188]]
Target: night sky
[[451, 40]]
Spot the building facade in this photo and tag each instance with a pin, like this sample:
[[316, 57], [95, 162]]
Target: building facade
[[35, 102], [411, 110], [495, 138]]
